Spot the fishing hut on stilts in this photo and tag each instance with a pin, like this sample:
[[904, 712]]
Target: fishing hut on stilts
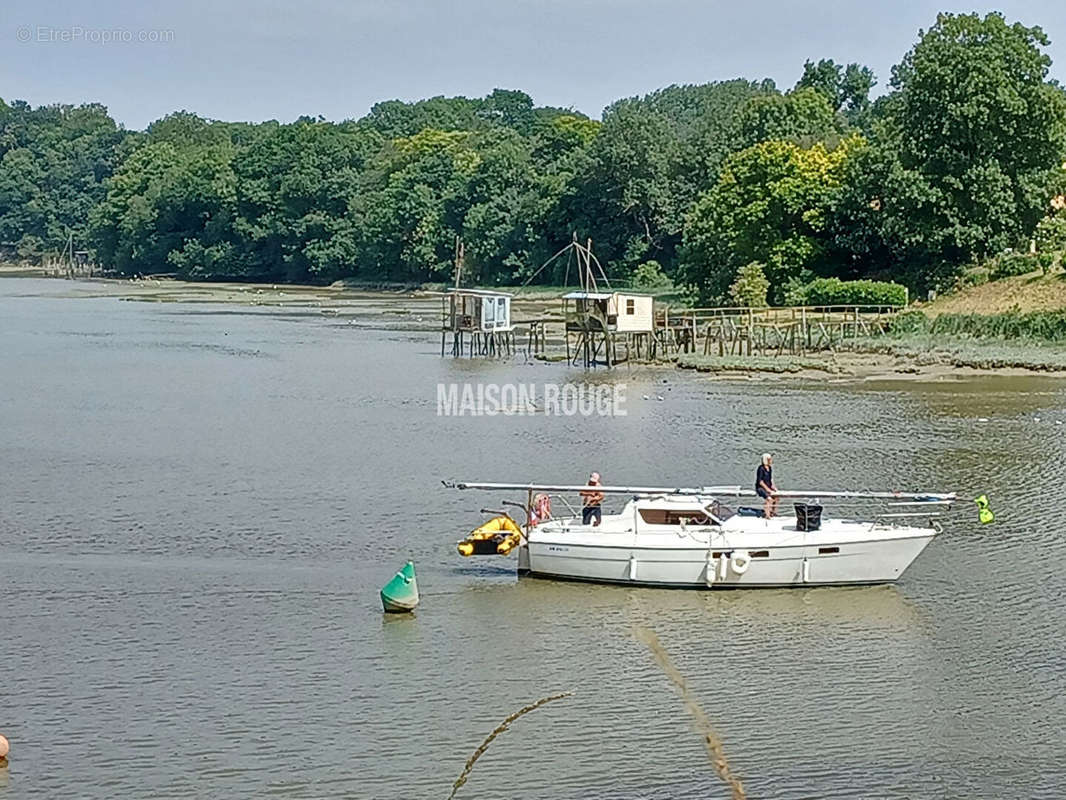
[[599, 322], [478, 320]]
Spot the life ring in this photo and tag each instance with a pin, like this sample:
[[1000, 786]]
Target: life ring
[[740, 561]]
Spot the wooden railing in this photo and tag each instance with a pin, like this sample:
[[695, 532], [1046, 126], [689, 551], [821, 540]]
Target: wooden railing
[[679, 317], [775, 329]]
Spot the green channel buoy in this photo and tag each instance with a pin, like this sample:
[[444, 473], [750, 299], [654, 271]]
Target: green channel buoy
[[400, 594], [984, 513]]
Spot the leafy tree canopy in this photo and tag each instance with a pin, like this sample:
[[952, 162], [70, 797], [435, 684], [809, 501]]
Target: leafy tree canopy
[[847, 88], [958, 162], [772, 205]]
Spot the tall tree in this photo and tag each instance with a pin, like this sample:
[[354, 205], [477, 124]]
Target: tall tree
[[405, 213], [294, 187], [54, 161], [803, 116], [846, 88], [771, 205], [651, 159], [169, 209], [979, 124]]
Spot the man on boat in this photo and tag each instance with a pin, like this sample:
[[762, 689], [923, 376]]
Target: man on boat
[[764, 485], [592, 500]]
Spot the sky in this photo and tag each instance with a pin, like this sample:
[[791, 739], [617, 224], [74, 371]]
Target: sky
[[254, 60]]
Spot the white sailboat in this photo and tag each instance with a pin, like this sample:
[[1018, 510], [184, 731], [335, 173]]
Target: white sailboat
[[699, 538]]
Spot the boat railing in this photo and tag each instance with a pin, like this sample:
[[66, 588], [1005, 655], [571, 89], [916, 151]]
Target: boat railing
[[566, 503]]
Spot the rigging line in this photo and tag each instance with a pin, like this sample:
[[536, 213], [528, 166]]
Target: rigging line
[[550, 260], [598, 264]]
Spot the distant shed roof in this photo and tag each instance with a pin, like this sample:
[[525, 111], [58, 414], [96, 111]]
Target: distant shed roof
[[479, 292], [587, 296]]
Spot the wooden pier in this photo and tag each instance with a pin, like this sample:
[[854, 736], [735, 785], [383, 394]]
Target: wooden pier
[[587, 335], [779, 330]]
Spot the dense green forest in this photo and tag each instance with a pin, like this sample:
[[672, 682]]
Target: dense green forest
[[957, 161]]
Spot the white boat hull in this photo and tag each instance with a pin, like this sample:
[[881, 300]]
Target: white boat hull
[[808, 560], [692, 539]]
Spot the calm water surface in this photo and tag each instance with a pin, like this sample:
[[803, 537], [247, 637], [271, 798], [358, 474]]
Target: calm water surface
[[198, 505]]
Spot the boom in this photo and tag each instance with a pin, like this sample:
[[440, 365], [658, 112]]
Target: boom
[[701, 491]]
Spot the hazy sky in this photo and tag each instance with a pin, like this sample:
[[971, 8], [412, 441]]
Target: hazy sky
[[268, 59]]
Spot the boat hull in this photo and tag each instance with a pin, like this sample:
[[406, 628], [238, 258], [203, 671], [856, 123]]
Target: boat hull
[[819, 564]]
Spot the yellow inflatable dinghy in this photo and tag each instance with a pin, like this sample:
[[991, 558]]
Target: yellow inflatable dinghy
[[499, 536]]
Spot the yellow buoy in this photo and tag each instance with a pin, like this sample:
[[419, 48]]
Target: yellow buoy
[[984, 513], [5, 748]]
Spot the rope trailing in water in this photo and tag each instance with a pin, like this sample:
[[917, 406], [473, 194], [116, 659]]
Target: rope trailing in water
[[503, 726]]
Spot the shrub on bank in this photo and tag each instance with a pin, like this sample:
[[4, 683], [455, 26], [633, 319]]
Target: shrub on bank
[[750, 287], [1050, 240], [908, 323], [835, 292], [977, 276], [1010, 265]]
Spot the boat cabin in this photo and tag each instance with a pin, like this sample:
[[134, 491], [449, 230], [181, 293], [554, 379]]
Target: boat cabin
[[679, 511], [477, 311], [609, 312]]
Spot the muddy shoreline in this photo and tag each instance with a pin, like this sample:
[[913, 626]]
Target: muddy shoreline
[[420, 311]]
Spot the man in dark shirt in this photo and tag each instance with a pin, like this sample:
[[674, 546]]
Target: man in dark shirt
[[764, 485]]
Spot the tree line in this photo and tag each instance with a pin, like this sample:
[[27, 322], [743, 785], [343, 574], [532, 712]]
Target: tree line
[[959, 160]]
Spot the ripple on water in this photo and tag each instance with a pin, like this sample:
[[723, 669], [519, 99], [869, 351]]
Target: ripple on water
[[191, 555]]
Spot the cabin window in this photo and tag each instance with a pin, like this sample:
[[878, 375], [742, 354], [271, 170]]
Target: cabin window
[[760, 554], [828, 550], [631, 306], [666, 516]]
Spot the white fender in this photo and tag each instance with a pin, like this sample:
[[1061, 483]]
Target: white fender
[[740, 561], [723, 567], [806, 571], [632, 568], [708, 575]]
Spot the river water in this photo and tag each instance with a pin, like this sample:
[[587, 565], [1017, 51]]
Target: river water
[[199, 504]]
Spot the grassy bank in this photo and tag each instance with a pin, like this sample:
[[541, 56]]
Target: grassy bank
[[987, 354], [1033, 340], [1040, 327], [1021, 293]]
